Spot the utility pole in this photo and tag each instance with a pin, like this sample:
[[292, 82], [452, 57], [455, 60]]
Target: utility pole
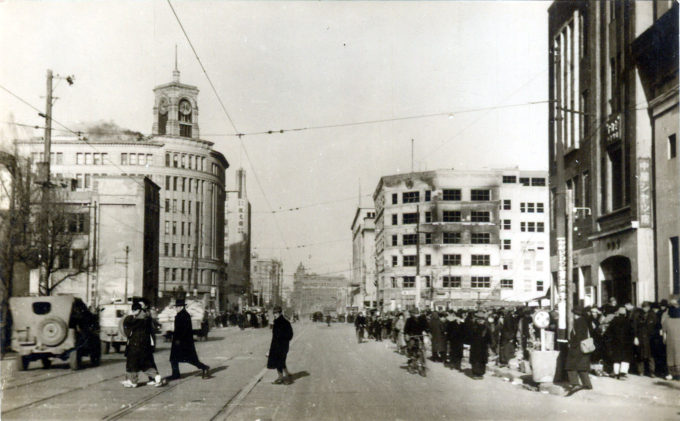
[[570, 260], [43, 288], [125, 262], [418, 256]]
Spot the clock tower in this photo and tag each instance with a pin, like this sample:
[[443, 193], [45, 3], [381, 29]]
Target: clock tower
[[175, 110]]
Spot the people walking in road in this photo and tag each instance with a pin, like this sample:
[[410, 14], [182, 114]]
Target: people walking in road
[[139, 348], [578, 362], [183, 349], [480, 339], [282, 334]]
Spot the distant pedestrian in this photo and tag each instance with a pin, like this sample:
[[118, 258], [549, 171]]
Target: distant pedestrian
[[183, 349], [138, 327], [455, 336], [359, 326], [671, 334], [282, 334], [480, 339], [578, 362], [438, 337]]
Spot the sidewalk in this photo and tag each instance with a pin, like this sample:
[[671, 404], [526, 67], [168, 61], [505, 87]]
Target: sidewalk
[[9, 364], [654, 390]]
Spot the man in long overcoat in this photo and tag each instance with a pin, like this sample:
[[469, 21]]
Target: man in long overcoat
[[438, 338], [644, 328], [620, 339], [508, 333], [138, 327], [480, 339], [183, 349], [578, 363], [282, 333], [455, 336]]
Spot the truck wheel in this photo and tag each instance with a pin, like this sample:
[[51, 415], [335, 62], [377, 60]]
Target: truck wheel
[[52, 331], [116, 347], [106, 346], [46, 362], [74, 360]]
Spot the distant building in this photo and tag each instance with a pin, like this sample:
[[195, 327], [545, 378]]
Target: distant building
[[237, 245], [267, 280], [362, 289], [450, 238], [322, 293]]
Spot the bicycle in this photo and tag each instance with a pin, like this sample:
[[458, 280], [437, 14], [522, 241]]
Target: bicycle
[[415, 350], [360, 334]]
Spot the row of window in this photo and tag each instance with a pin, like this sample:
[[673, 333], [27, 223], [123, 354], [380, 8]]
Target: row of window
[[185, 206], [171, 250], [56, 158], [531, 207], [476, 195], [447, 238], [532, 226], [525, 181], [528, 285], [449, 281], [136, 159], [447, 260], [71, 259], [447, 216], [192, 162], [185, 274], [171, 227], [184, 184]]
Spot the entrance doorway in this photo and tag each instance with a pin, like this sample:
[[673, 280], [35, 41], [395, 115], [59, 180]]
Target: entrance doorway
[[617, 281]]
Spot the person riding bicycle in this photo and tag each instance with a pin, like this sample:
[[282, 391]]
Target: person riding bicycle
[[414, 328], [359, 326]]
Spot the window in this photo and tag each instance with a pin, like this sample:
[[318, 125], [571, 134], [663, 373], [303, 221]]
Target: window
[[141, 159], [174, 274], [395, 220], [80, 160], [428, 217], [184, 183], [480, 238], [88, 159], [184, 160], [530, 207], [527, 264], [189, 185], [174, 228], [451, 281], [174, 249], [480, 282], [428, 238], [507, 224], [166, 249], [174, 205], [509, 179], [540, 227], [523, 226], [480, 195], [507, 204], [674, 260], [507, 264], [409, 260], [410, 197], [531, 226], [451, 194], [428, 260], [182, 231], [480, 216], [539, 207], [149, 159], [539, 285], [452, 260], [185, 119], [428, 195], [395, 198], [451, 216], [409, 218], [672, 147], [189, 208], [167, 182], [394, 261], [480, 260], [395, 242], [528, 285], [451, 238], [88, 180], [174, 183], [428, 281], [175, 160], [166, 274], [409, 282], [507, 244], [167, 205], [167, 227], [523, 207], [394, 281], [167, 159], [506, 283], [133, 159], [181, 253], [409, 239], [540, 245], [525, 181], [540, 181]]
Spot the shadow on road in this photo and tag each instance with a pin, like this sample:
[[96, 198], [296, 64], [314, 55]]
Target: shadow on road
[[213, 338], [299, 375], [668, 385]]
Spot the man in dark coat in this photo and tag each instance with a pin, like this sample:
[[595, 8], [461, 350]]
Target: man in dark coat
[[183, 349], [139, 348], [359, 326], [620, 339], [282, 333], [644, 328], [578, 363], [438, 338], [508, 333], [455, 336], [480, 339]]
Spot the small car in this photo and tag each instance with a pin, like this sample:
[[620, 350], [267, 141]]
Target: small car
[[111, 317], [50, 327]]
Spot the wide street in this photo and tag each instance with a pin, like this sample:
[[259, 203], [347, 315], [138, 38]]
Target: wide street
[[335, 379]]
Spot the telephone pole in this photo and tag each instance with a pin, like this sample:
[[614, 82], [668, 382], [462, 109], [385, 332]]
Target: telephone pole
[[44, 287], [125, 262]]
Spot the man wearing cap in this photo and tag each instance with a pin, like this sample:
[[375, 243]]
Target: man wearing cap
[[282, 333], [644, 326], [578, 363], [183, 349]]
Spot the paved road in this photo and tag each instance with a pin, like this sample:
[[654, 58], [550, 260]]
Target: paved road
[[336, 379]]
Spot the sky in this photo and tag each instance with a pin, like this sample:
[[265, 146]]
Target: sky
[[289, 65]]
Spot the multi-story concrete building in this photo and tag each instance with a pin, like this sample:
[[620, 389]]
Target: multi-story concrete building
[[191, 176], [600, 142], [267, 279], [363, 284], [656, 54], [313, 292], [237, 246], [453, 238]]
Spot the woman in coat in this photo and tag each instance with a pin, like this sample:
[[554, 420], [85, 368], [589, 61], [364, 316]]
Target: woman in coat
[[670, 325], [438, 338], [620, 334], [578, 363], [139, 350], [480, 339], [282, 333]]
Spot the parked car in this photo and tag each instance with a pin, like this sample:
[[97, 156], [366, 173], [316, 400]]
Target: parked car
[[51, 327], [111, 317]]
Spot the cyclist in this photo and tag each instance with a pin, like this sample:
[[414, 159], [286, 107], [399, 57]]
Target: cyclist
[[414, 329], [359, 326]]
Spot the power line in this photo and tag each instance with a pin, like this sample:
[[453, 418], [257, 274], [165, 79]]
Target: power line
[[311, 205]]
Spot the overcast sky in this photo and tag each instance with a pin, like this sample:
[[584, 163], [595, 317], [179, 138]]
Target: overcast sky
[[279, 65]]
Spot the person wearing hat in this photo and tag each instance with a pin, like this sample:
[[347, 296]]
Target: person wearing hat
[[183, 349], [282, 333], [480, 339], [138, 328], [620, 335], [644, 327], [578, 362]]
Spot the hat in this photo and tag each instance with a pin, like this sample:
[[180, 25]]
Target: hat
[[277, 309], [136, 306], [578, 310], [664, 302], [480, 315], [180, 302]]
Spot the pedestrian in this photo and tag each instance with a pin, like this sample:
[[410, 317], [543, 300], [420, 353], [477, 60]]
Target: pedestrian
[[508, 332], [438, 338], [578, 362], [359, 326], [282, 333], [480, 339], [138, 328], [671, 334], [620, 334], [643, 328], [399, 327], [658, 345], [455, 337], [183, 349]]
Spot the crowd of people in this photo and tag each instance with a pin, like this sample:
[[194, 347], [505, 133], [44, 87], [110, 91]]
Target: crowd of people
[[643, 340]]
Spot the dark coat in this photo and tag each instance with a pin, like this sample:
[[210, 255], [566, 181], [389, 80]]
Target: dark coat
[[644, 329], [437, 332], [139, 351], [455, 335], [480, 339], [620, 339], [577, 360], [282, 333], [183, 348], [413, 327]]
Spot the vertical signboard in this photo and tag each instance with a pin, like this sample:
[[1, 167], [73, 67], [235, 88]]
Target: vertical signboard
[[645, 195], [562, 284]]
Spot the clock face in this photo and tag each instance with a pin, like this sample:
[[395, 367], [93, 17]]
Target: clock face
[[163, 106], [185, 107]]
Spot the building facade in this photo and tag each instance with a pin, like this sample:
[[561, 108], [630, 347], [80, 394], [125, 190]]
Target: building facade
[[237, 246], [189, 172], [267, 279], [450, 238], [313, 292], [600, 143], [362, 287]]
